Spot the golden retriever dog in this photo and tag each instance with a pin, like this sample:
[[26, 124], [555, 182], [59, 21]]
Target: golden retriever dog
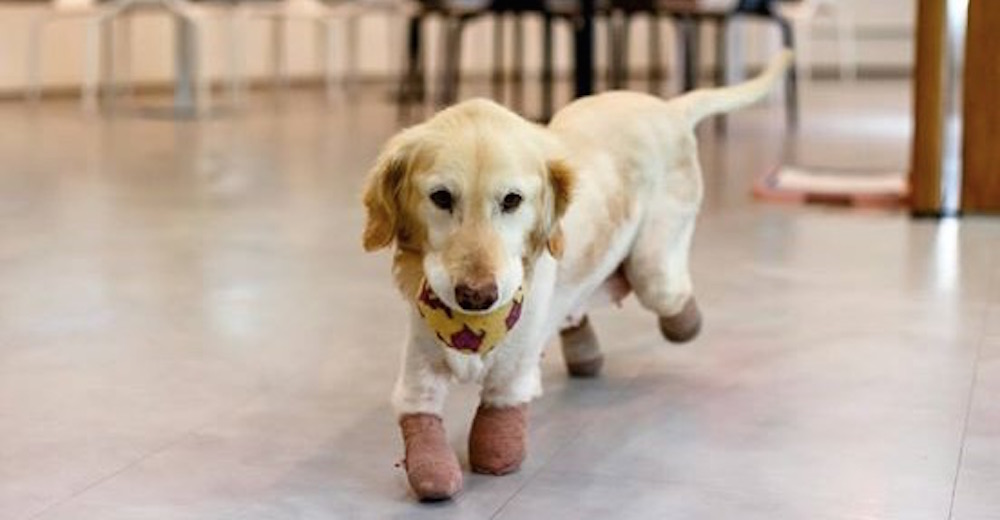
[[484, 207]]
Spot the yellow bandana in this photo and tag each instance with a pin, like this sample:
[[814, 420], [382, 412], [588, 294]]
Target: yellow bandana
[[467, 333]]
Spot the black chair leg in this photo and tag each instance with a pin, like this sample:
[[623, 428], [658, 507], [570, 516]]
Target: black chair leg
[[548, 85], [445, 67], [792, 80], [687, 31], [721, 63], [621, 58], [456, 67], [451, 57], [411, 86], [613, 50]]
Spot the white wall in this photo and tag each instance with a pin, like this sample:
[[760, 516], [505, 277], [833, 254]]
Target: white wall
[[884, 28]]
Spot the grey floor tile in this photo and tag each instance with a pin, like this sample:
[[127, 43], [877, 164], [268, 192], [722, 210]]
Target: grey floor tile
[[569, 495], [312, 454], [862, 417], [992, 329]]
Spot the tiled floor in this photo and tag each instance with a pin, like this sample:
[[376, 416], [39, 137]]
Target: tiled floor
[[189, 329]]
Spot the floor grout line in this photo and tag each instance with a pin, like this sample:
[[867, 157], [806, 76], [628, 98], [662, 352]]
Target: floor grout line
[[529, 480], [965, 425], [970, 400]]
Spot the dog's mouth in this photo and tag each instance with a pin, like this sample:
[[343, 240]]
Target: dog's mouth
[[470, 333]]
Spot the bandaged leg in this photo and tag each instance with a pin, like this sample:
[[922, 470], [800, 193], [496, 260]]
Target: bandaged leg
[[431, 465], [581, 351], [498, 439]]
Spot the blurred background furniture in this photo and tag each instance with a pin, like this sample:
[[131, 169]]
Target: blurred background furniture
[[550, 12], [803, 15], [333, 19], [104, 68], [453, 16], [689, 16], [955, 163], [507, 76], [193, 22], [981, 125], [90, 12], [514, 12], [935, 176]]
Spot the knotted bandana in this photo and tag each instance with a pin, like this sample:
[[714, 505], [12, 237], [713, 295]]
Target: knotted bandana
[[468, 333]]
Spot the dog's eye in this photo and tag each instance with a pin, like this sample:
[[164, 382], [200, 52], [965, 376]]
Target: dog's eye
[[442, 199], [510, 202]]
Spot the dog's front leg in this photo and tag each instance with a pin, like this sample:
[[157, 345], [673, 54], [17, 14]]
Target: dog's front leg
[[431, 466], [498, 437]]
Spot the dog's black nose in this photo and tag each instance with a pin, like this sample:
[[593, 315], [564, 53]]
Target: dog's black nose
[[476, 298]]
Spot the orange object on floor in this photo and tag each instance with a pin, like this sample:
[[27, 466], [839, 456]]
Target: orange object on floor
[[794, 184]]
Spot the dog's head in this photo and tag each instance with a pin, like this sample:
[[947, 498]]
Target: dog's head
[[477, 192]]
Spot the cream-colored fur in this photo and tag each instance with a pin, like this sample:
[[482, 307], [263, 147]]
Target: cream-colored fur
[[627, 165]]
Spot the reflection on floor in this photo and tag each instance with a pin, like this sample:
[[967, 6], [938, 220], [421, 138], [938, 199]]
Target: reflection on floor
[[189, 329]]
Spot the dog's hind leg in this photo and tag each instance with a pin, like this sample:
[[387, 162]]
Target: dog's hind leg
[[581, 351], [657, 267]]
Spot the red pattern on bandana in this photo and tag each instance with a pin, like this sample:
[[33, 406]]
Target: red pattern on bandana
[[514, 315], [467, 340], [431, 300]]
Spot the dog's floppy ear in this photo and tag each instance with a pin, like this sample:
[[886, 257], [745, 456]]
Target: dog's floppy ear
[[561, 179], [382, 193]]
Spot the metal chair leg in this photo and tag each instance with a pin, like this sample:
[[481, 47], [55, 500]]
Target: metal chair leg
[[411, 88], [655, 55], [201, 76], [721, 63], [803, 49], [621, 57], [451, 57], [278, 52], [548, 83], [846, 43], [327, 47], [791, 80], [394, 54], [456, 69], [237, 86], [615, 52], [34, 91], [445, 62], [124, 34], [91, 67], [108, 65], [687, 33]]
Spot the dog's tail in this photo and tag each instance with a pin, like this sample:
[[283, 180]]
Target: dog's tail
[[699, 104]]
